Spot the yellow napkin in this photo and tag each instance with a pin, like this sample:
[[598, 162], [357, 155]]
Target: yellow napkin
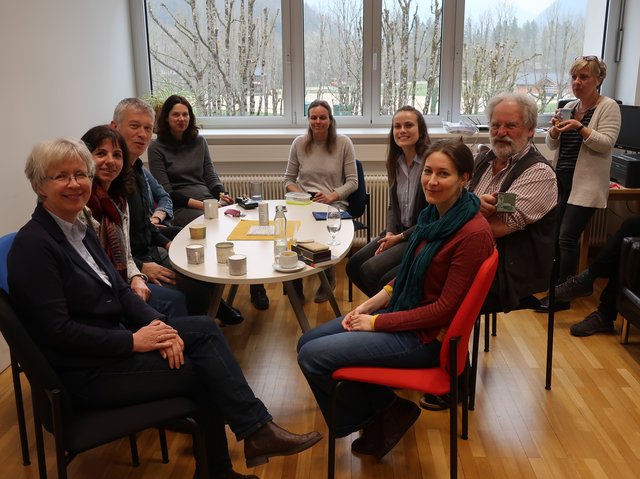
[[241, 231]]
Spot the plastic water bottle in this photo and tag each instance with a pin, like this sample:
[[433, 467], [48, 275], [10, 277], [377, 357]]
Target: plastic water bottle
[[279, 233]]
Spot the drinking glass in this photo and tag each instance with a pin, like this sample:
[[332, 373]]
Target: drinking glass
[[334, 222]]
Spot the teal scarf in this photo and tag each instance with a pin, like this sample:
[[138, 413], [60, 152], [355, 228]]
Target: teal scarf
[[409, 285]]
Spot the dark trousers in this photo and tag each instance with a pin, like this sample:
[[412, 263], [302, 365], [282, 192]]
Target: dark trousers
[[198, 294], [607, 265], [211, 375], [370, 273], [573, 220]]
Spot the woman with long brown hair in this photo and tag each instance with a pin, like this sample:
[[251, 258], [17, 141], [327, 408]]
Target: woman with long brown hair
[[377, 263]]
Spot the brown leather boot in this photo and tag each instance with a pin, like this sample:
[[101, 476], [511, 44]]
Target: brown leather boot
[[271, 440]]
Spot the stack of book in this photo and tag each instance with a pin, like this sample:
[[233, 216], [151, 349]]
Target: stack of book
[[312, 252]]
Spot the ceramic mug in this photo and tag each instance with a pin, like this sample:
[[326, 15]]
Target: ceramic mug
[[198, 231], [195, 254], [224, 249], [211, 209], [237, 264]]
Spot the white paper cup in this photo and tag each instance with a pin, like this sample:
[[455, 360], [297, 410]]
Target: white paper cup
[[237, 264], [288, 259], [195, 254], [211, 209], [224, 249]]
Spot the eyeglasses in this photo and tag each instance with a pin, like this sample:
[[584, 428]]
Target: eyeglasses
[[588, 58], [65, 178]]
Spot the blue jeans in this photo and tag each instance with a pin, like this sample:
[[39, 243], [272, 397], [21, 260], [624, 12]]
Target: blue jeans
[[211, 375], [167, 301], [329, 347]]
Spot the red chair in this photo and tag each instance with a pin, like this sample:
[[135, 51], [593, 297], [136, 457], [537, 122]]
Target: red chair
[[439, 380]]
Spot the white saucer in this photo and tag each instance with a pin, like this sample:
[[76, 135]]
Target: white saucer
[[297, 267]]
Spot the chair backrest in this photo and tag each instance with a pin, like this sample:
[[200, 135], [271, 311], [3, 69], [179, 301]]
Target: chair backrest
[[358, 199], [39, 372], [5, 245], [468, 311]]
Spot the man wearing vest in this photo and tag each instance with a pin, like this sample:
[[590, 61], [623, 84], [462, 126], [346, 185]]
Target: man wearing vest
[[526, 236]]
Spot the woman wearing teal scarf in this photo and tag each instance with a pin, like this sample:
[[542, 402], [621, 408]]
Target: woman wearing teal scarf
[[401, 325]]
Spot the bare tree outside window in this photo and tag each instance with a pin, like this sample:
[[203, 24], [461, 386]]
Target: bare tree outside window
[[503, 53], [410, 57], [226, 53], [333, 39]]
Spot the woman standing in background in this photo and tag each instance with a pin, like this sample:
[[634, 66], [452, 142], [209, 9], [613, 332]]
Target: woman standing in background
[[583, 159]]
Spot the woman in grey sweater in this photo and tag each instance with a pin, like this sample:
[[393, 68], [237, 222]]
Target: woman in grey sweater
[[322, 162], [179, 159]]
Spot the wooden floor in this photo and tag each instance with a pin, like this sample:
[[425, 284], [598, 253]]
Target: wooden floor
[[586, 426]]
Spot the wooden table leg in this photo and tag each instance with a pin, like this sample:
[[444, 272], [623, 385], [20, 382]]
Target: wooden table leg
[[327, 287], [218, 289], [296, 304]]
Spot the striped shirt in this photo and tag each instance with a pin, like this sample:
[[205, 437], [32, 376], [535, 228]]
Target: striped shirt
[[536, 189], [570, 143]]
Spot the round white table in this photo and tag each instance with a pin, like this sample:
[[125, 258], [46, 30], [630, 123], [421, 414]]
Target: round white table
[[259, 253]]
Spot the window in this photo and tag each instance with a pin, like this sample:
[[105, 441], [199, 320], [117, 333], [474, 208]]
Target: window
[[227, 61], [260, 62], [333, 54], [521, 46]]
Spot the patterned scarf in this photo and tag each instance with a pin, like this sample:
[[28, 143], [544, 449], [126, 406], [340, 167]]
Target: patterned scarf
[[409, 285], [109, 212]]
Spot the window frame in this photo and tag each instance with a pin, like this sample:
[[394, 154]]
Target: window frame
[[292, 12]]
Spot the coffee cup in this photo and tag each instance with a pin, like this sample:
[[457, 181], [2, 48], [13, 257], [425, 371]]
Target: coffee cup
[[224, 249], [211, 209], [198, 231], [237, 264], [288, 259], [195, 254]]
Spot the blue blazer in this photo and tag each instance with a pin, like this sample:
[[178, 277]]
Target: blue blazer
[[77, 319]]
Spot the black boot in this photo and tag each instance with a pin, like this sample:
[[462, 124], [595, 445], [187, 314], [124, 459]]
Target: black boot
[[228, 314], [259, 297]]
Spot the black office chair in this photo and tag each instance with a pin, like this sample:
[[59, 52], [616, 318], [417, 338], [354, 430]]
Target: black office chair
[[76, 430], [5, 246], [359, 204]]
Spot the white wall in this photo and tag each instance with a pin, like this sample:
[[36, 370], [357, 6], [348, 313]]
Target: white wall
[[64, 66], [628, 77]]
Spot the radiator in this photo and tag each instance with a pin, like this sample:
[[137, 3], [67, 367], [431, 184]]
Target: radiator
[[273, 189], [598, 235]]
